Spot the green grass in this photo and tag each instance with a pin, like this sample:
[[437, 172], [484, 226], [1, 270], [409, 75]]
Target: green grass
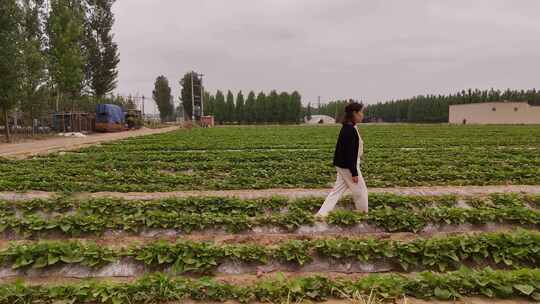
[[286, 157]]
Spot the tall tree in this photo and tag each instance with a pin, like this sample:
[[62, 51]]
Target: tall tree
[[284, 107], [190, 93], [296, 100], [65, 29], [220, 107], [249, 108], [208, 104], [240, 108], [34, 74], [229, 114], [162, 97], [102, 51], [260, 108], [10, 63], [186, 95], [308, 112], [272, 109]]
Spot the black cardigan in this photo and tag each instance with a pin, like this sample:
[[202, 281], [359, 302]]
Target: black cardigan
[[346, 154]]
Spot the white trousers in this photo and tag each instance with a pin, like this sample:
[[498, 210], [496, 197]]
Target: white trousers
[[343, 182]]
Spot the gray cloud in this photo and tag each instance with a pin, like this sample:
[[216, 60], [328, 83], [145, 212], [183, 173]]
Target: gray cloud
[[370, 50]]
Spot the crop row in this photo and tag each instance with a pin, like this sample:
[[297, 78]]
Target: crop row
[[390, 220], [161, 162], [272, 137], [160, 289], [253, 207], [509, 250]]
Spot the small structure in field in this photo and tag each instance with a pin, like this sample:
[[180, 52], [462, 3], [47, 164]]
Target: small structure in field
[[494, 113], [73, 122], [320, 119], [109, 118], [207, 121]]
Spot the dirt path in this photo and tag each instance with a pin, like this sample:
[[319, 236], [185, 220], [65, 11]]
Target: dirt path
[[290, 193], [299, 193], [45, 146]]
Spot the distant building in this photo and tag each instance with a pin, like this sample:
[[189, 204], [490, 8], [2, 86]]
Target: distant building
[[494, 113], [320, 119]]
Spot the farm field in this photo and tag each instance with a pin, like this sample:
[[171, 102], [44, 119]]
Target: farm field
[[285, 157], [441, 247], [76, 248]]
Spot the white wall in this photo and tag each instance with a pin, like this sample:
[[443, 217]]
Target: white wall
[[505, 113]]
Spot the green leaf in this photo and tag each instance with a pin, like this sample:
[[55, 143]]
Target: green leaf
[[52, 259], [487, 292], [71, 259], [442, 294], [162, 258], [22, 262], [65, 227], [525, 289], [40, 262], [116, 300]]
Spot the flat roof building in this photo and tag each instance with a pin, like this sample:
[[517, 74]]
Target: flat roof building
[[494, 113]]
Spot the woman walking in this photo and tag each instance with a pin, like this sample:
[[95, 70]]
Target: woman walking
[[349, 150]]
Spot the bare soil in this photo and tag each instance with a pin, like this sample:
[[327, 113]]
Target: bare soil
[[123, 240], [30, 148], [290, 193], [299, 193]]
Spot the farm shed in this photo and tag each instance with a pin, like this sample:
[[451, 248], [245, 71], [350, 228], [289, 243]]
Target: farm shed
[[320, 119], [73, 122], [494, 113]]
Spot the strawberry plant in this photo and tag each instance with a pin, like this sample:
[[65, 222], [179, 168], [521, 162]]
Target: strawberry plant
[[508, 250], [294, 251], [267, 157], [159, 288]]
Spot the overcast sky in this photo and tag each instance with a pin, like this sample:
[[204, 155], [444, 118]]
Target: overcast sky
[[371, 50]]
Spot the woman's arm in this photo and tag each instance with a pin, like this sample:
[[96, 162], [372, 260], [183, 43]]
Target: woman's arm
[[350, 145]]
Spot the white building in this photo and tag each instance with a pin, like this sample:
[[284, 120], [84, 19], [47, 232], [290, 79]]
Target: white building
[[320, 119], [494, 113]]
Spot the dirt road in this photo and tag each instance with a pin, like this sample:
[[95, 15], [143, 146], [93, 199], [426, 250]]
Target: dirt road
[[45, 146]]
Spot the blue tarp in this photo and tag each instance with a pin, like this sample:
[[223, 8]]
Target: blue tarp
[[109, 113]]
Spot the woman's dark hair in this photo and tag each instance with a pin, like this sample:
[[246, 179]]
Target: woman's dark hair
[[350, 109]]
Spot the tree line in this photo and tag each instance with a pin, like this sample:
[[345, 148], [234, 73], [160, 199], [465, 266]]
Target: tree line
[[56, 55], [435, 108], [272, 107], [228, 108]]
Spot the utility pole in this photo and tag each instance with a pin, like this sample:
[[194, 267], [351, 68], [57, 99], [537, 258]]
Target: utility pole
[[143, 106], [192, 99], [336, 105], [202, 94]]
